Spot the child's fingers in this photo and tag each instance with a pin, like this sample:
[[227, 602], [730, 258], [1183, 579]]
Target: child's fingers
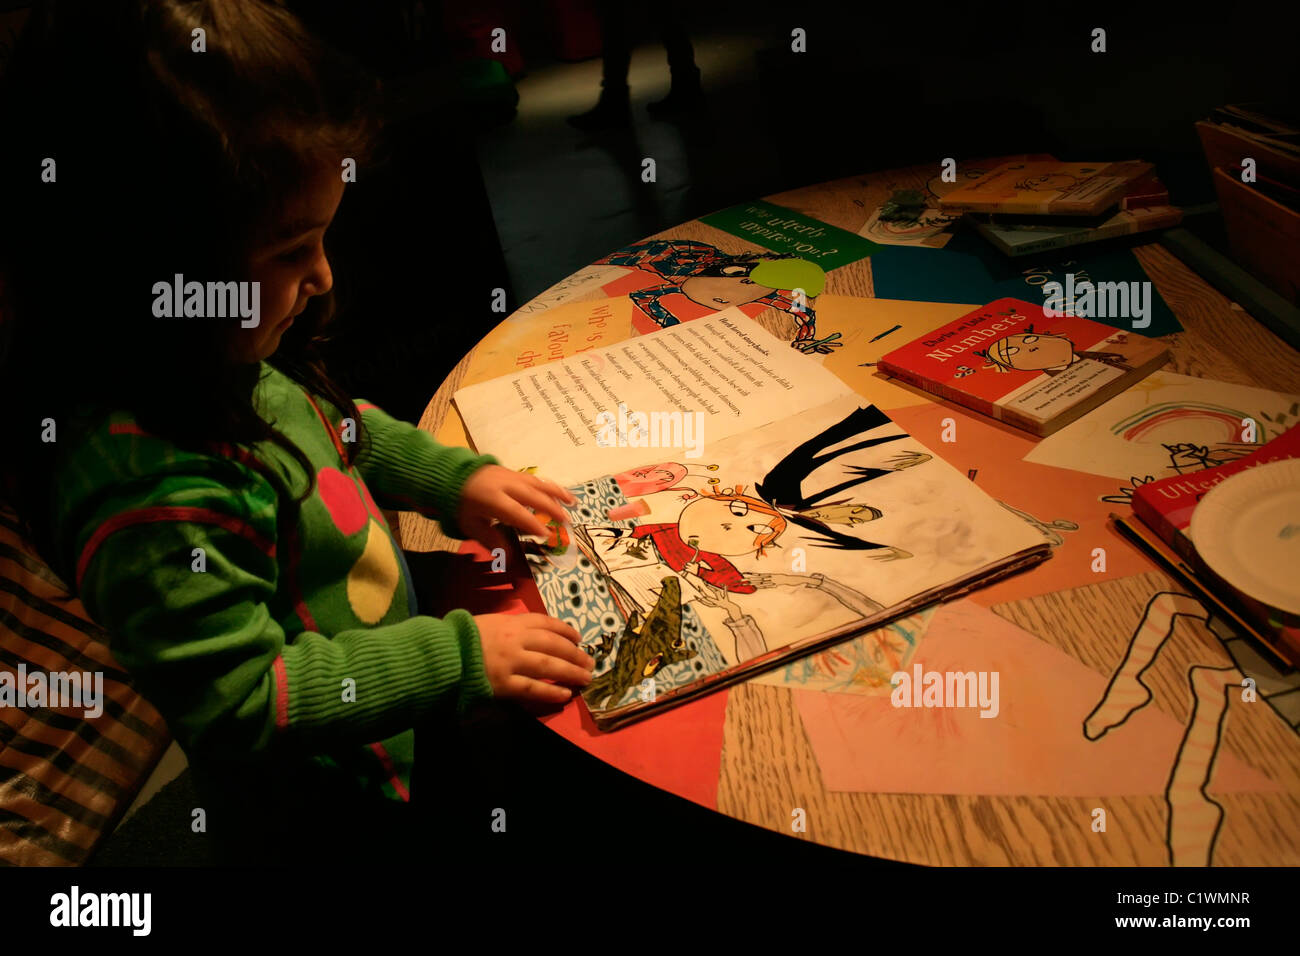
[[537, 619], [526, 688], [567, 631], [556, 491], [548, 642], [516, 515], [542, 666], [540, 501]]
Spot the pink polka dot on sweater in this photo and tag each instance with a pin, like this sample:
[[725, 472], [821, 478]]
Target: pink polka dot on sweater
[[342, 499]]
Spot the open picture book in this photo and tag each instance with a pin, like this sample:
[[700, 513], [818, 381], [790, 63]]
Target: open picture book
[[738, 506]]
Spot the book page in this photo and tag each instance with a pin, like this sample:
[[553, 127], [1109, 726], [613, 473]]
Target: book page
[[598, 412], [675, 572]]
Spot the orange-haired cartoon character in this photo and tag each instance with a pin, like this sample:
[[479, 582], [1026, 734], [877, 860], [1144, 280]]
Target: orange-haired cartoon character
[[718, 523], [1031, 351], [715, 523]]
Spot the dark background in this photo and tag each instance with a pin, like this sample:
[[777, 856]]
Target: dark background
[[479, 193], [483, 185]]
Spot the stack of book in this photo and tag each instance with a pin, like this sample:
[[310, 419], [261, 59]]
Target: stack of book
[[1164, 511], [1013, 362], [1274, 135], [1033, 206], [1254, 153]]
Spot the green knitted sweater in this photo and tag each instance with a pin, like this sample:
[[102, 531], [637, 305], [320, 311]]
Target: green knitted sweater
[[259, 636]]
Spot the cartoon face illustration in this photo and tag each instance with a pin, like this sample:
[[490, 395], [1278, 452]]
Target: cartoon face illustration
[[1049, 182], [1032, 351], [707, 276], [938, 187], [730, 286], [729, 524], [735, 280], [649, 478]]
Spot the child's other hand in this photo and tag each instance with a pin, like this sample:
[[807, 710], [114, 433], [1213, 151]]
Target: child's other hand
[[522, 651], [494, 492]]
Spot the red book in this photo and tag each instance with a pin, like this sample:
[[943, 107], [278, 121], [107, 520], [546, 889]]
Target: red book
[[1166, 508], [1146, 192], [1166, 505], [1013, 362]]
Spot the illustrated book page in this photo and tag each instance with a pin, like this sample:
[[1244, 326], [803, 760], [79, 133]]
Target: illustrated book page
[[684, 575]]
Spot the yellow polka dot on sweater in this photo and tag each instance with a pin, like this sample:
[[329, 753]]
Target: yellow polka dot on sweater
[[373, 579]]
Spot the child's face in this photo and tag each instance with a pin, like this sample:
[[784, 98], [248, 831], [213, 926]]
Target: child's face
[[289, 262], [723, 527]]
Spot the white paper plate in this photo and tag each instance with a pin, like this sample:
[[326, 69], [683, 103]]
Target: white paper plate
[[1248, 531]]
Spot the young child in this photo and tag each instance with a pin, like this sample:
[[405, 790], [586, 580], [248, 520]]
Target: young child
[[209, 494]]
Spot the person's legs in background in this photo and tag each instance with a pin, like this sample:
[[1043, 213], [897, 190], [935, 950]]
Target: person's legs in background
[[612, 108], [686, 93]]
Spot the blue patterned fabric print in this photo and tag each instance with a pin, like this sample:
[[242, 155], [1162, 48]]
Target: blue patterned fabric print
[[579, 596]]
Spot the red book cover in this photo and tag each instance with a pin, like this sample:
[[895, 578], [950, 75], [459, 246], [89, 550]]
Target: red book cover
[[1166, 508], [1012, 361]]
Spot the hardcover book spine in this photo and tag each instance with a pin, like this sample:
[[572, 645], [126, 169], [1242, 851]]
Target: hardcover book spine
[[1155, 519], [942, 389], [1158, 198], [1020, 420], [1064, 241]]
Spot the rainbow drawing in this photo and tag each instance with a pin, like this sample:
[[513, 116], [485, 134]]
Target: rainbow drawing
[[1184, 421]]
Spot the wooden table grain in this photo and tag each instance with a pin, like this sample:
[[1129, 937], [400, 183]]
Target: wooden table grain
[[768, 766]]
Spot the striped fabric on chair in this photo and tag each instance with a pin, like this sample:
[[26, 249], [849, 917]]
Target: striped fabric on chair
[[66, 777]]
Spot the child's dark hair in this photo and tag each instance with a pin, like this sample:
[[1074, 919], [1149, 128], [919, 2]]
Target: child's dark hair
[[167, 160]]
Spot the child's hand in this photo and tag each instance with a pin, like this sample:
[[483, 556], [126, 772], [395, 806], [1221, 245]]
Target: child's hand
[[522, 651], [494, 492]]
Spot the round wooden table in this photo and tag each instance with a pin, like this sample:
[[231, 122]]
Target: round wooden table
[[1131, 703]]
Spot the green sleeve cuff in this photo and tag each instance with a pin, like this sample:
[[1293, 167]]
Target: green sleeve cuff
[[474, 683], [400, 674], [408, 470]]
